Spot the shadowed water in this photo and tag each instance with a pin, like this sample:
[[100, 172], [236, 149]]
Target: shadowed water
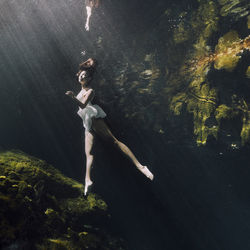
[[150, 53]]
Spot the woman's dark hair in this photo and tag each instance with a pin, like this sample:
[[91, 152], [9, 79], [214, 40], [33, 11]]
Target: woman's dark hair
[[90, 69], [85, 66]]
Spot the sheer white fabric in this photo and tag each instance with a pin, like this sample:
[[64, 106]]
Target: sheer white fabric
[[89, 112]]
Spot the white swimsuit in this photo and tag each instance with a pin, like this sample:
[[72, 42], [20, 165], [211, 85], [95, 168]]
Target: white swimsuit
[[89, 112]]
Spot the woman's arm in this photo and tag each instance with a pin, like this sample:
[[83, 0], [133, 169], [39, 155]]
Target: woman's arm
[[85, 100]]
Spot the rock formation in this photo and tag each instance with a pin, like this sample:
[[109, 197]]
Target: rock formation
[[43, 209]]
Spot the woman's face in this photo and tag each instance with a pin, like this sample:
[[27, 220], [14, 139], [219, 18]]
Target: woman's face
[[82, 78], [89, 62]]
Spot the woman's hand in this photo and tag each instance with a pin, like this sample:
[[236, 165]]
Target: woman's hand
[[70, 94]]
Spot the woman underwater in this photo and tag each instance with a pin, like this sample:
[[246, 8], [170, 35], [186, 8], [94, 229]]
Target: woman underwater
[[94, 124]]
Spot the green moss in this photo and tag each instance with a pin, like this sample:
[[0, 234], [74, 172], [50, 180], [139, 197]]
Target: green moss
[[202, 104], [206, 18], [209, 16], [81, 205], [227, 113], [55, 244], [30, 194], [94, 202], [199, 98], [181, 34], [223, 112], [232, 7], [203, 22], [33, 170], [192, 60], [227, 51], [177, 103]]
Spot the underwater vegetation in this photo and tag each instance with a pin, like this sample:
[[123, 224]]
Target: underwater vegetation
[[202, 99], [43, 209], [200, 67], [200, 96]]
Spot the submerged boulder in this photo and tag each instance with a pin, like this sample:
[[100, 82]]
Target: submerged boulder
[[40, 208]]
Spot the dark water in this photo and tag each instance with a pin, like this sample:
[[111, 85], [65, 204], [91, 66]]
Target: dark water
[[200, 196]]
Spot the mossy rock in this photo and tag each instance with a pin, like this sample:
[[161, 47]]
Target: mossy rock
[[40, 208], [37, 172]]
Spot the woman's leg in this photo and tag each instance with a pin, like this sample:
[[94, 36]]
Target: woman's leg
[[88, 9], [89, 141], [102, 129]]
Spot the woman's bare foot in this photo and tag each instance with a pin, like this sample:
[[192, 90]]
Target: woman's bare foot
[[146, 172], [87, 186]]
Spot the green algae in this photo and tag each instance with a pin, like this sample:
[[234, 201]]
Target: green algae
[[234, 7], [224, 112], [180, 77], [199, 98], [226, 51], [181, 34], [33, 170], [228, 113], [202, 105], [204, 22], [177, 102], [31, 197]]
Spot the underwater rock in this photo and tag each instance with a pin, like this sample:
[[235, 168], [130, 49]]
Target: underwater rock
[[40, 208]]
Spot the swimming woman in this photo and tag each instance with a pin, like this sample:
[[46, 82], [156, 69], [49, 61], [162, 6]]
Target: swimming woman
[[94, 124], [90, 4]]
